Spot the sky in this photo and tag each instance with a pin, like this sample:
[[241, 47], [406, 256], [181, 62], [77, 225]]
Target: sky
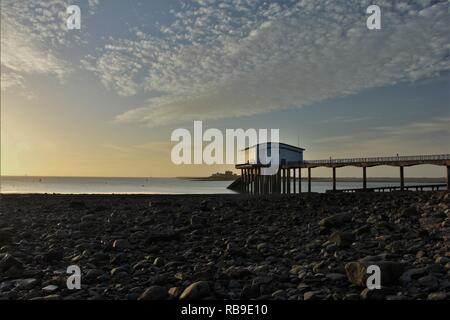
[[104, 100]]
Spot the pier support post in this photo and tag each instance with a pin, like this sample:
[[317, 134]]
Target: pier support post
[[255, 180], [278, 181], [293, 175], [260, 182], [248, 180], [334, 178], [299, 180], [274, 183], [402, 178], [289, 181], [364, 178], [252, 180], [284, 181], [263, 184], [448, 178], [309, 180], [245, 181]]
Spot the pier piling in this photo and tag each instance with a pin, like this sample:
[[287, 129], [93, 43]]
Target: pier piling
[[364, 178], [288, 181], [309, 180], [299, 180], [252, 182], [293, 178], [334, 178], [402, 178]]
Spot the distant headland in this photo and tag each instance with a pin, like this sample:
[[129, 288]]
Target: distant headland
[[218, 176]]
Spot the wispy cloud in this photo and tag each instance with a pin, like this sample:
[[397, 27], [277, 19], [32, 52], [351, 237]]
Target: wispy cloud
[[239, 57], [432, 126], [32, 32], [346, 119], [429, 135]]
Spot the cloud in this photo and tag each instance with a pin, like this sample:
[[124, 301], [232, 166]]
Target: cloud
[[434, 126], [21, 56], [32, 32], [346, 119], [237, 57], [429, 136], [10, 79], [143, 147]]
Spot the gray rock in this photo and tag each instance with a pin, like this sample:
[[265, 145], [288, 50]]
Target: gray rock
[[26, 284], [429, 281], [437, 296], [7, 262], [335, 276], [175, 292], [411, 274], [50, 288], [116, 271], [154, 293], [234, 249], [121, 244], [390, 272], [336, 220], [93, 274], [376, 294], [159, 262], [196, 290], [279, 295], [310, 295], [250, 292], [342, 239]]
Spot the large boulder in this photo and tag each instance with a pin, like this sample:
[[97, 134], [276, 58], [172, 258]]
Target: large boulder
[[196, 291], [357, 272]]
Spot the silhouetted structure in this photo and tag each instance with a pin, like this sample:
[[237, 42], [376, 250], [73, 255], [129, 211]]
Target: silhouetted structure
[[251, 180]]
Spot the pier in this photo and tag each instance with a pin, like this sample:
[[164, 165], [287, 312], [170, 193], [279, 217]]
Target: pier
[[288, 179]]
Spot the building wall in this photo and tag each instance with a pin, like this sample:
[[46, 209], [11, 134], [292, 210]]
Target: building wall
[[286, 155]]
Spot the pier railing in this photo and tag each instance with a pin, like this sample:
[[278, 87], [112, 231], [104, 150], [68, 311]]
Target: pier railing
[[252, 181], [421, 187], [438, 157]]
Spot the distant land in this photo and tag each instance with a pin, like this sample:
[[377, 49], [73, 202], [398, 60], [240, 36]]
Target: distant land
[[218, 176]]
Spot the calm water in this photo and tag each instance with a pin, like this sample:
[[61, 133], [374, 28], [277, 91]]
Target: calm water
[[140, 185]]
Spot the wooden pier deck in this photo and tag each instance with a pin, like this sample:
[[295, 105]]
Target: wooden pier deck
[[251, 180]]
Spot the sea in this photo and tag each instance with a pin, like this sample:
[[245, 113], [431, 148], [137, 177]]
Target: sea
[[91, 185]]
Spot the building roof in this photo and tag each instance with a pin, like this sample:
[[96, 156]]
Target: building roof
[[281, 146]]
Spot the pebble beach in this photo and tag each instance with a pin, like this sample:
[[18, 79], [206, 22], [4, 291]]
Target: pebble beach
[[225, 247]]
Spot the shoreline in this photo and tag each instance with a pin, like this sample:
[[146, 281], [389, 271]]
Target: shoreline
[[234, 247], [324, 179]]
